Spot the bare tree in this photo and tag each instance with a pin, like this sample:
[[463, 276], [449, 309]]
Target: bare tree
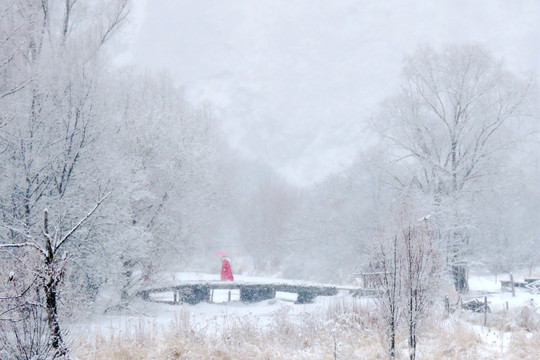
[[24, 333], [50, 272], [387, 263], [406, 266], [458, 113], [421, 272], [55, 58], [51, 120]]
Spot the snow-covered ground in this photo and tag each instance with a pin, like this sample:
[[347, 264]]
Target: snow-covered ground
[[496, 340], [498, 299], [160, 315]]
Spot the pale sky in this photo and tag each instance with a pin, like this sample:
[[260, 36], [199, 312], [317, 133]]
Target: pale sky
[[293, 82]]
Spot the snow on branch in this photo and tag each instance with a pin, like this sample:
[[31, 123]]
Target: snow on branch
[[81, 222], [25, 244]]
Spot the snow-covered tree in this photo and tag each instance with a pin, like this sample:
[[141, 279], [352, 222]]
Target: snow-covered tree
[[53, 65], [47, 273], [406, 266], [162, 156], [458, 112]]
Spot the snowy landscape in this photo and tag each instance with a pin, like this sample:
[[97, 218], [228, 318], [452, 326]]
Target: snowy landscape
[[270, 179], [341, 326]]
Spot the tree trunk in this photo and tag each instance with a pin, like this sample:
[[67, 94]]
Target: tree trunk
[[57, 342], [50, 288], [392, 340], [412, 327], [458, 267], [125, 293], [412, 340], [459, 274]]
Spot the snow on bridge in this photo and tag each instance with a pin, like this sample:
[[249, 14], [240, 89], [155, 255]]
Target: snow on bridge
[[182, 288]]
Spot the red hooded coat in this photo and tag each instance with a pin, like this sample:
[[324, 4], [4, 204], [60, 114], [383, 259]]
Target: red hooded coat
[[226, 271]]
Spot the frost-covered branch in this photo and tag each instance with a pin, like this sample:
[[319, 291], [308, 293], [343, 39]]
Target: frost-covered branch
[[25, 244], [80, 223]]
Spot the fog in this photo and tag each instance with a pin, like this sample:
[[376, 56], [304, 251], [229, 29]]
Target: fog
[[293, 82]]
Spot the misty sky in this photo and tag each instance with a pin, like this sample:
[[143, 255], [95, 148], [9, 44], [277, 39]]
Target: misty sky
[[293, 81]]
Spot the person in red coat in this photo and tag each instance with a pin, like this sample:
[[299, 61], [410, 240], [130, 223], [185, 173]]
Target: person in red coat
[[226, 271]]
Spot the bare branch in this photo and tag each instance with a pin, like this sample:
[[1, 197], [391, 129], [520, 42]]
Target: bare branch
[[80, 223], [31, 243], [22, 293], [116, 21], [26, 244]]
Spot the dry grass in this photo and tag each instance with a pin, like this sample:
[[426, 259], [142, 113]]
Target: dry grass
[[513, 320], [345, 330], [450, 339], [524, 345]]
